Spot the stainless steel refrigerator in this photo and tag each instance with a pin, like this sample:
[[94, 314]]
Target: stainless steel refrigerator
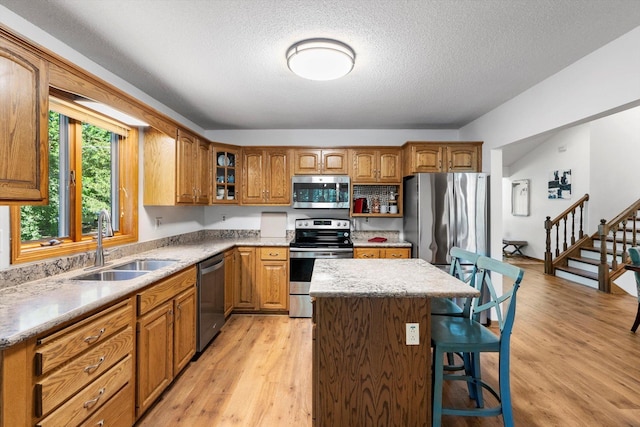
[[443, 210]]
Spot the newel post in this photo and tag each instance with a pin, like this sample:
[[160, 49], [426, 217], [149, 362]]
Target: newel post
[[603, 267], [548, 264]]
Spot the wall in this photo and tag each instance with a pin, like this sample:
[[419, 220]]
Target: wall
[[536, 167], [604, 82], [330, 137], [615, 150], [229, 217]]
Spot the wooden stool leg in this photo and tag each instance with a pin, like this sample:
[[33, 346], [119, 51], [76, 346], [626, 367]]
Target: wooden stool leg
[[636, 323]]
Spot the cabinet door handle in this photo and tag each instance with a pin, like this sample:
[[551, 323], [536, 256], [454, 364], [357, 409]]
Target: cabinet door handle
[[100, 423], [90, 403], [179, 313], [89, 369], [94, 337], [450, 165]]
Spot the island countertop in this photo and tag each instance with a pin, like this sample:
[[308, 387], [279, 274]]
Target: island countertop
[[384, 278]]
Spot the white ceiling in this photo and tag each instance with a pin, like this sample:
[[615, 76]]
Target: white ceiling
[[420, 64]]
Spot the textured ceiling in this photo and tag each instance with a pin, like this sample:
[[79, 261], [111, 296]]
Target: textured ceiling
[[420, 64]]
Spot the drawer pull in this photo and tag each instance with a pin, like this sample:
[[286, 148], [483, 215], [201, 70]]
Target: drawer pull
[[89, 403], [89, 369], [272, 254], [395, 255], [94, 337]]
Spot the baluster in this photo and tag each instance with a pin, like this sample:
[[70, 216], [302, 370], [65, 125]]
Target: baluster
[[603, 267], [614, 260], [581, 213], [558, 239], [548, 265], [624, 241], [564, 241], [634, 217], [573, 227]]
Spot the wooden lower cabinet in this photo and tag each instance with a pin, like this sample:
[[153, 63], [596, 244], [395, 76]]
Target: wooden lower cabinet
[[363, 372], [155, 355], [184, 329], [244, 293], [71, 375], [229, 278], [394, 253], [166, 339], [261, 279], [273, 278], [116, 412]]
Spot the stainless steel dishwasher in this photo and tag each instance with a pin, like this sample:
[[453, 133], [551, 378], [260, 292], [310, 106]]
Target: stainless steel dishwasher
[[210, 300]]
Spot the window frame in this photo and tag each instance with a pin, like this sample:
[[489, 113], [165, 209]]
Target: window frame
[[127, 170]]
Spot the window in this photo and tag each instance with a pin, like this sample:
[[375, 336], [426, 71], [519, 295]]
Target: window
[[92, 166]]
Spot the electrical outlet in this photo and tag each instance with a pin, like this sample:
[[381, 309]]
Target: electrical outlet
[[413, 334]]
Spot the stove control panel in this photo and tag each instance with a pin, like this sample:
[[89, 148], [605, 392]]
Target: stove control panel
[[323, 224]]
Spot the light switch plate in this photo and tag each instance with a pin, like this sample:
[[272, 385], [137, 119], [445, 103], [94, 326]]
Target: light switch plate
[[413, 334]]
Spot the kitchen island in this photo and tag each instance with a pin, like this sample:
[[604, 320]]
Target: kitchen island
[[364, 373]]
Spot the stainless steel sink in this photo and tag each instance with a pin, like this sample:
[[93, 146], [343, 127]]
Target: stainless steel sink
[[111, 275], [145, 264]]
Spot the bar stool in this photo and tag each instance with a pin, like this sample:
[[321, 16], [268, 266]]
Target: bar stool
[[451, 334], [446, 306]]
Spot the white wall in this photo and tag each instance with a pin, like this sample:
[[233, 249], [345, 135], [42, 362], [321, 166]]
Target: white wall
[[615, 155], [601, 83], [330, 137], [229, 217], [536, 167]]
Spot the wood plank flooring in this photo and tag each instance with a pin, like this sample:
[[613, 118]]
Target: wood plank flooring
[[573, 363]]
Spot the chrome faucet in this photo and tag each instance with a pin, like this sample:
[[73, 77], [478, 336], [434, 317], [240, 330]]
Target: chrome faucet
[[103, 215]]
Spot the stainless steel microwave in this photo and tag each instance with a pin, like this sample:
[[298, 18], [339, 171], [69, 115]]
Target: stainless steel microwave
[[320, 192]]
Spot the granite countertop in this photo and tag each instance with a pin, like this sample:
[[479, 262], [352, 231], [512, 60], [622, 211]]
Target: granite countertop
[[37, 306], [390, 278], [390, 243]]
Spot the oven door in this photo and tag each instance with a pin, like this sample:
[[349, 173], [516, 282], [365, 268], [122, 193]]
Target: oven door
[[301, 261]]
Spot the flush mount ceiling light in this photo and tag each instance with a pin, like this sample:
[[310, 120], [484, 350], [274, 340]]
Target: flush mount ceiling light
[[320, 59]]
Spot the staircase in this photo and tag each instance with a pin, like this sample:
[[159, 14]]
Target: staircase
[[594, 260]]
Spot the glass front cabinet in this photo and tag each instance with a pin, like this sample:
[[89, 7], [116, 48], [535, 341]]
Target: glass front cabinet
[[227, 172]]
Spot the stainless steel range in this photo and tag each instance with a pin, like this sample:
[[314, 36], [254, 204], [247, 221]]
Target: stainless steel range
[[315, 238]]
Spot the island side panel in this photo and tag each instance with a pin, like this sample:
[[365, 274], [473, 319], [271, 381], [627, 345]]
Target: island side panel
[[364, 373]]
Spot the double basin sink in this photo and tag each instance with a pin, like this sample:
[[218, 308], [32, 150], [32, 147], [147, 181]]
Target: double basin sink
[[130, 270]]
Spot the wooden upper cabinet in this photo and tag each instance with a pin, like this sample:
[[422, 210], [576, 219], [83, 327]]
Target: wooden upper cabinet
[[376, 165], [193, 169], [226, 177], [464, 158], [320, 161], [427, 158], [187, 151], [266, 176], [177, 170], [442, 157], [24, 145]]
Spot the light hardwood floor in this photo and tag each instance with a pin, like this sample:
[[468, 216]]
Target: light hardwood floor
[[573, 363]]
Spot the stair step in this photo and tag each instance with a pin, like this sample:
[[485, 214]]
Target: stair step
[[579, 276], [579, 272], [587, 264], [591, 261], [596, 249]]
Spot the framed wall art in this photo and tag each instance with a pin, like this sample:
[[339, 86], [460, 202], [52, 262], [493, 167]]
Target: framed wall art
[[559, 186], [520, 197]]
